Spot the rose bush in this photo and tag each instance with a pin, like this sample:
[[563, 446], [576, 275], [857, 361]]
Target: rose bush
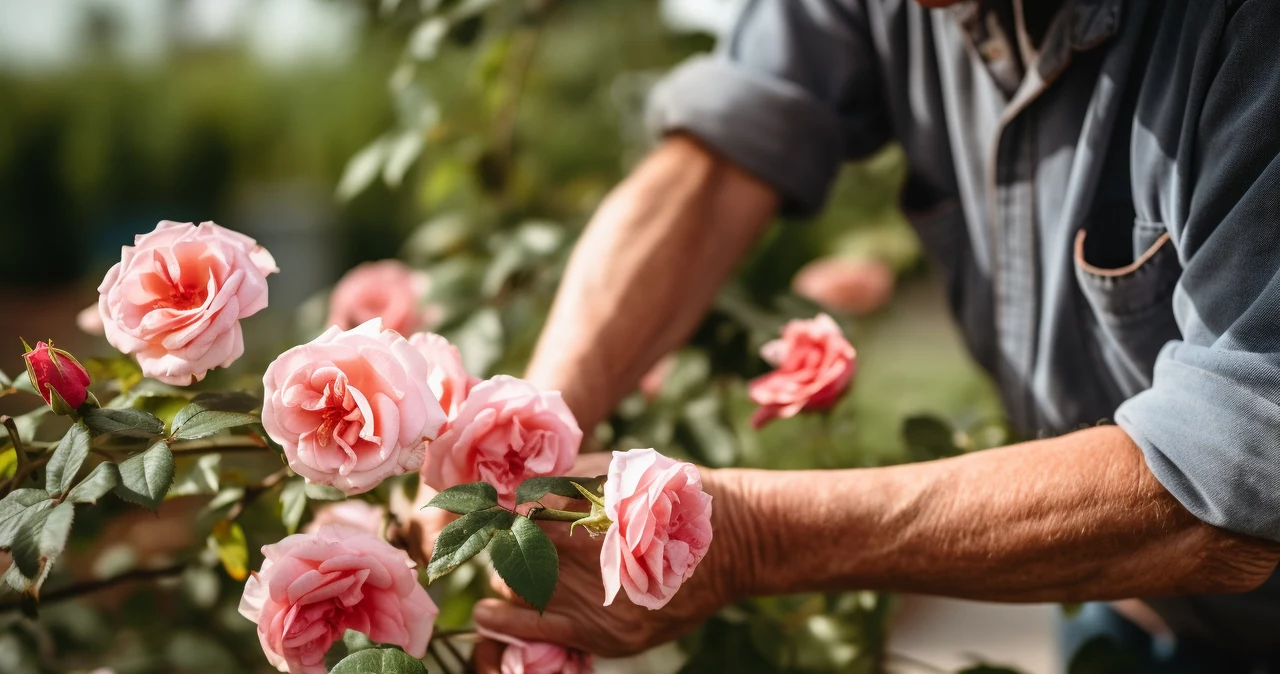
[[352, 408], [312, 588], [175, 299], [387, 289]]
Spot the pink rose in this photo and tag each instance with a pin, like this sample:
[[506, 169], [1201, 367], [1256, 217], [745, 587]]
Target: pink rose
[[537, 657], [351, 408], [355, 514], [815, 364], [661, 526], [50, 368], [506, 431], [859, 287], [314, 587], [387, 289], [89, 320], [175, 299], [448, 379]]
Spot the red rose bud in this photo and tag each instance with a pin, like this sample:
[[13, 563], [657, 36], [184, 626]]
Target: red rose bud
[[56, 370]]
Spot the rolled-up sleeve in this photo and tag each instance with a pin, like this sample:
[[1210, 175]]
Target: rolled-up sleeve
[[788, 95], [1210, 424]]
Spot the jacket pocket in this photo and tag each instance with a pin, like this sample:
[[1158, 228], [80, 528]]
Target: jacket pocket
[[1133, 307]]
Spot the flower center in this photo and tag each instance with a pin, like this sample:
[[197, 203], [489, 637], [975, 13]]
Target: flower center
[[336, 409]]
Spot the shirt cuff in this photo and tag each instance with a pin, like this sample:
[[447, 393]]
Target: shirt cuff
[[769, 127], [1212, 441]]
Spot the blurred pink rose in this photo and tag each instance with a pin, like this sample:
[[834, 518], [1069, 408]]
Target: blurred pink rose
[[448, 379], [537, 657], [815, 364], [351, 408], [175, 299], [314, 587], [856, 286], [652, 382], [89, 320], [506, 431], [354, 513], [661, 526], [387, 289]]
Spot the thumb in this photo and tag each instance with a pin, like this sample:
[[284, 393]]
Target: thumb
[[526, 624]]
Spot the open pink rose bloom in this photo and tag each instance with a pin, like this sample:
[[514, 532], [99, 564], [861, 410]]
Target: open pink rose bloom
[[538, 657], [352, 408], [815, 364], [387, 289], [175, 299], [506, 431], [449, 380], [312, 588], [661, 526]]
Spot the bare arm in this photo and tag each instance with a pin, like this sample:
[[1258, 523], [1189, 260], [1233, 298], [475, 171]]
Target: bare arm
[[644, 272], [1074, 518]]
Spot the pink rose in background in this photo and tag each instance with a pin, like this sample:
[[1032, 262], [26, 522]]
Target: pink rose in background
[[856, 286], [314, 587], [89, 320], [354, 513], [448, 379], [506, 431], [537, 657], [387, 289], [815, 364], [661, 526], [351, 408], [175, 299], [50, 368]]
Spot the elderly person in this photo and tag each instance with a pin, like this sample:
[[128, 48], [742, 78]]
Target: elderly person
[[1097, 183]]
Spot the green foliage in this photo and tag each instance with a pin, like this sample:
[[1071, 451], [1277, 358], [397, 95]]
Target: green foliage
[[42, 538], [322, 492], [196, 421], [16, 507], [535, 488], [145, 477], [125, 421], [1102, 655], [379, 661], [465, 498], [464, 538], [103, 478], [928, 438], [526, 560], [67, 458], [293, 504], [233, 548]]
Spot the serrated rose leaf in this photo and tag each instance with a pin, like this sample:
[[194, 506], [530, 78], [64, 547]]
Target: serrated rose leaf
[[465, 498], [527, 561], [535, 488], [42, 538], [125, 421], [145, 477], [464, 538], [102, 479], [66, 460], [16, 507], [194, 422], [379, 661]]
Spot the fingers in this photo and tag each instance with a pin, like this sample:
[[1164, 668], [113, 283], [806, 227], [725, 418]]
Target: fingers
[[527, 624], [487, 657]]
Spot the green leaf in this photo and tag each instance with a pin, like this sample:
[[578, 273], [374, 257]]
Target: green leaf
[[145, 477], [379, 661], [233, 548], [228, 401], [464, 538], [104, 477], [362, 169], [42, 538], [928, 438], [126, 421], [323, 492], [480, 340], [121, 368], [465, 498], [196, 475], [293, 503], [16, 507], [535, 488], [356, 641], [66, 460], [527, 561], [1102, 655], [194, 422]]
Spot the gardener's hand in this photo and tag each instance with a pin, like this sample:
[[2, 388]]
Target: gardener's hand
[[576, 616]]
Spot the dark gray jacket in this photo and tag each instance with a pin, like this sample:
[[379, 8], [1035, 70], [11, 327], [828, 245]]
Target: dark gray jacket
[[1107, 222]]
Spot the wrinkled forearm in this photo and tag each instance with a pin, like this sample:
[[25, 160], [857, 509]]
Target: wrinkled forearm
[[1068, 519], [644, 273]]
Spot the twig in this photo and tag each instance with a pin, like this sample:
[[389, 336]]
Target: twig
[[80, 589], [219, 444]]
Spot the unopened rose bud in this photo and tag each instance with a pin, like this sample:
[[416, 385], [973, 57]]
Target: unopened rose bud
[[57, 376]]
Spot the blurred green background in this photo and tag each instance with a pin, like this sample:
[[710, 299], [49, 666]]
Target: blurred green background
[[472, 139]]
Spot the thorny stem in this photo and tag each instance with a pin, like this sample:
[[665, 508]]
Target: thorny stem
[[81, 589], [553, 515]]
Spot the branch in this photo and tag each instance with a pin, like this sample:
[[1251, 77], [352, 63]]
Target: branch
[[232, 443], [81, 589]]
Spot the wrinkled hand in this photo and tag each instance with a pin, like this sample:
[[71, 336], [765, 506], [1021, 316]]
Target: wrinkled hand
[[576, 616]]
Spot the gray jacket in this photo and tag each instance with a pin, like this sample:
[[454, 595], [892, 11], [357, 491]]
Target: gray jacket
[[1107, 222]]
